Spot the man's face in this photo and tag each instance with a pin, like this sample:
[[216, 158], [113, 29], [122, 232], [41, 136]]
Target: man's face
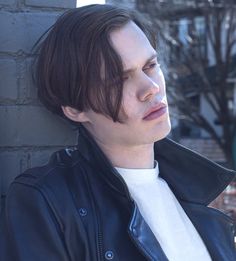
[[143, 92]]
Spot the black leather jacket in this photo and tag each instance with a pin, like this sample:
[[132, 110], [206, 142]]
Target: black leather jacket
[[78, 208]]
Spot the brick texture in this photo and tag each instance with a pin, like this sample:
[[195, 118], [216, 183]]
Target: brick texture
[[21, 30], [52, 3], [27, 92], [29, 133], [33, 126], [205, 147], [8, 80]]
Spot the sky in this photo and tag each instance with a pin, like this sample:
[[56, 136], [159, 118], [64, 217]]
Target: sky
[[88, 2]]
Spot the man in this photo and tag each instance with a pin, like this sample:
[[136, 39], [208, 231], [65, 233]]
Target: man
[[125, 192]]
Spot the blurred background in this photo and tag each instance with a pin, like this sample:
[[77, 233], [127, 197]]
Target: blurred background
[[197, 52]]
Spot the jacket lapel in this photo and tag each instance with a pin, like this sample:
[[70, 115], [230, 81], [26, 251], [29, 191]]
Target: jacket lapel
[[216, 230], [144, 238], [191, 177]]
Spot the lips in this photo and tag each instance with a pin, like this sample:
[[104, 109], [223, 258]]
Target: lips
[[155, 112]]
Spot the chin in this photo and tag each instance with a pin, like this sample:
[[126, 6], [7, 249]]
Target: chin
[[163, 130]]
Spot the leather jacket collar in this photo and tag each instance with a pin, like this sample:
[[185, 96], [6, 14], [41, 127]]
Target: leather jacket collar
[[191, 177]]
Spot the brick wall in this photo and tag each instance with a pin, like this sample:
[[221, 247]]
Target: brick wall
[[28, 133]]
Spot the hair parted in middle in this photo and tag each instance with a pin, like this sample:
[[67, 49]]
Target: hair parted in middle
[[77, 65]]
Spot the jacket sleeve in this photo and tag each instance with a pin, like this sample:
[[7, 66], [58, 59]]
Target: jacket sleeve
[[29, 228]]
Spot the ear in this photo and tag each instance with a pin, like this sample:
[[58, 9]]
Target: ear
[[74, 114]]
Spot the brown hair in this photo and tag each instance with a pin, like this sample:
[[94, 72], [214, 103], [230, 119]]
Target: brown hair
[[72, 53]]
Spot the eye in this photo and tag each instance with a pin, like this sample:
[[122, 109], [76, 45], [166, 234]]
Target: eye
[[152, 66]]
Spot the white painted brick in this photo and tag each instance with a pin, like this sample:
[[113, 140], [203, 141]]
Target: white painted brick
[[21, 30], [8, 79], [27, 90], [52, 3], [33, 126]]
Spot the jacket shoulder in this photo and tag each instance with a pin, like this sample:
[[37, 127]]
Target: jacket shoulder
[[52, 181], [40, 196], [59, 165]]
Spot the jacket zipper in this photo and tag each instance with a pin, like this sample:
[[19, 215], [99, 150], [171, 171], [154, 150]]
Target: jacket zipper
[[98, 230], [100, 243], [99, 233]]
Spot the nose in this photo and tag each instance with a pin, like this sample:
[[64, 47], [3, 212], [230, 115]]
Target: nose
[[148, 90]]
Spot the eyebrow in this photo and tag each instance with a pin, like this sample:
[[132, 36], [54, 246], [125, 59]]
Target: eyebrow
[[147, 61]]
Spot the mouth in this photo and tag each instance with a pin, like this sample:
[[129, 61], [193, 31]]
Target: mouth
[[155, 112]]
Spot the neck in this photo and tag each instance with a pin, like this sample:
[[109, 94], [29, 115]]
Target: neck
[[136, 157]]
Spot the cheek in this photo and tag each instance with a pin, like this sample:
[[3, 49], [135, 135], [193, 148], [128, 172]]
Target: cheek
[[127, 113], [129, 104]]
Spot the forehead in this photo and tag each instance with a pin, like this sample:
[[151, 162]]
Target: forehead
[[132, 45]]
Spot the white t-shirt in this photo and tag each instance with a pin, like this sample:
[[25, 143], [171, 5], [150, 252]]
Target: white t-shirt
[[162, 212]]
